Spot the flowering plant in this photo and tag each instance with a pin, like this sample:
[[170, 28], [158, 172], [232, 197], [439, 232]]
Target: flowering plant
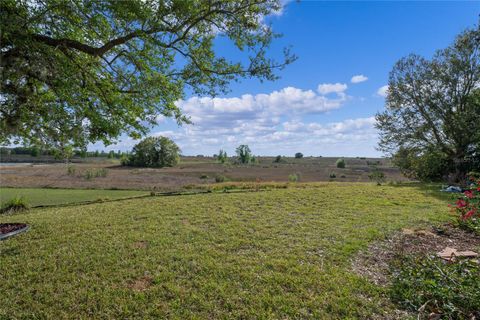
[[467, 207]]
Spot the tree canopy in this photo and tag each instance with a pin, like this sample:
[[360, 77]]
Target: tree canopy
[[432, 111], [154, 152], [74, 72]]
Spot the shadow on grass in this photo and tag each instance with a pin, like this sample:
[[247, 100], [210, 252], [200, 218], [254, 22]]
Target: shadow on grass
[[431, 190]]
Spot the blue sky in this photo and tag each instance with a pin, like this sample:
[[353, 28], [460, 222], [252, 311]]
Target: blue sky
[[317, 107]]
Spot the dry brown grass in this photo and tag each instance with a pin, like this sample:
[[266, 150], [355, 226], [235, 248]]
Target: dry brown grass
[[191, 171]]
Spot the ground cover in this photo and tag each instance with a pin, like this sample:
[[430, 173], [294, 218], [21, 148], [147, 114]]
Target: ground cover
[[284, 253]]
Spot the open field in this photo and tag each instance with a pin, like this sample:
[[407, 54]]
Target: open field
[[42, 197], [276, 254], [191, 171]]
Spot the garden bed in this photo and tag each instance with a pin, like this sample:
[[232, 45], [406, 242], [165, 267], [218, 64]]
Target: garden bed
[[8, 230]]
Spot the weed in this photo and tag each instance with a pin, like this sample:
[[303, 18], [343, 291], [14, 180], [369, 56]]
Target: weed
[[451, 290], [16, 204], [293, 177], [71, 170]]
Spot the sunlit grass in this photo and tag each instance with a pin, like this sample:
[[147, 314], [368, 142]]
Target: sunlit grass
[[276, 254]]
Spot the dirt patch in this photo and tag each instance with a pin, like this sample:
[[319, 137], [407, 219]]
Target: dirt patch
[[374, 263], [140, 245], [141, 284]]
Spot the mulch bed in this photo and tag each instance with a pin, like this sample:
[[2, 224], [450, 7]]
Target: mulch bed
[[10, 227], [374, 263]]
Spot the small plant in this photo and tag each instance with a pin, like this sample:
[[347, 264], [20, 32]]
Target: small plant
[[332, 175], [278, 159], [340, 163], [222, 156], [71, 170], [293, 177], [220, 178], [428, 284], [467, 207], [377, 176], [101, 173], [89, 174], [203, 176], [15, 204]]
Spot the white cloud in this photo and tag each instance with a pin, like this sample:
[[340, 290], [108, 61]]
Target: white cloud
[[383, 91], [280, 122], [358, 78], [327, 88]]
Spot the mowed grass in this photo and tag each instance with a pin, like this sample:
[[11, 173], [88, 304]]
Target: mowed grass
[[37, 196], [280, 254]]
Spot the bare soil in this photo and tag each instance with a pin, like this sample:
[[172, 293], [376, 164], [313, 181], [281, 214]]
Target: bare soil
[[191, 171]]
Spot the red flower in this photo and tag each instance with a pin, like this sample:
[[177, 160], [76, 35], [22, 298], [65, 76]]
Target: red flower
[[469, 194], [468, 214], [461, 203]]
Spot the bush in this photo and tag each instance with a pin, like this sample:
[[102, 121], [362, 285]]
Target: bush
[[203, 176], [332, 175], [71, 170], [340, 163], [377, 176], [222, 156], [15, 204], [298, 155], [156, 152], [244, 154], [293, 177], [278, 159], [220, 178], [467, 208], [451, 290]]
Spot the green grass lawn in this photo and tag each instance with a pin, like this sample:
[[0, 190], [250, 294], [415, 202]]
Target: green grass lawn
[[37, 196], [280, 254]]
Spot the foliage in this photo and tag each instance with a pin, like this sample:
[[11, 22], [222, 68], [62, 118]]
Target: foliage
[[424, 165], [244, 154], [15, 204], [298, 155], [293, 177], [431, 111], [278, 159], [451, 290], [332, 175], [155, 152], [75, 72], [222, 156], [340, 163], [71, 170], [35, 152], [377, 176], [220, 178], [467, 207], [95, 173]]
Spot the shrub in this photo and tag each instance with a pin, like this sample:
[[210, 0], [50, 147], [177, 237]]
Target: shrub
[[332, 175], [71, 170], [155, 152], [222, 156], [377, 176], [467, 208], [340, 163], [221, 178], [15, 204], [451, 290], [278, 159], [203, 176], [244, 153], [293, 177], [298, 155], [101, 173]]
